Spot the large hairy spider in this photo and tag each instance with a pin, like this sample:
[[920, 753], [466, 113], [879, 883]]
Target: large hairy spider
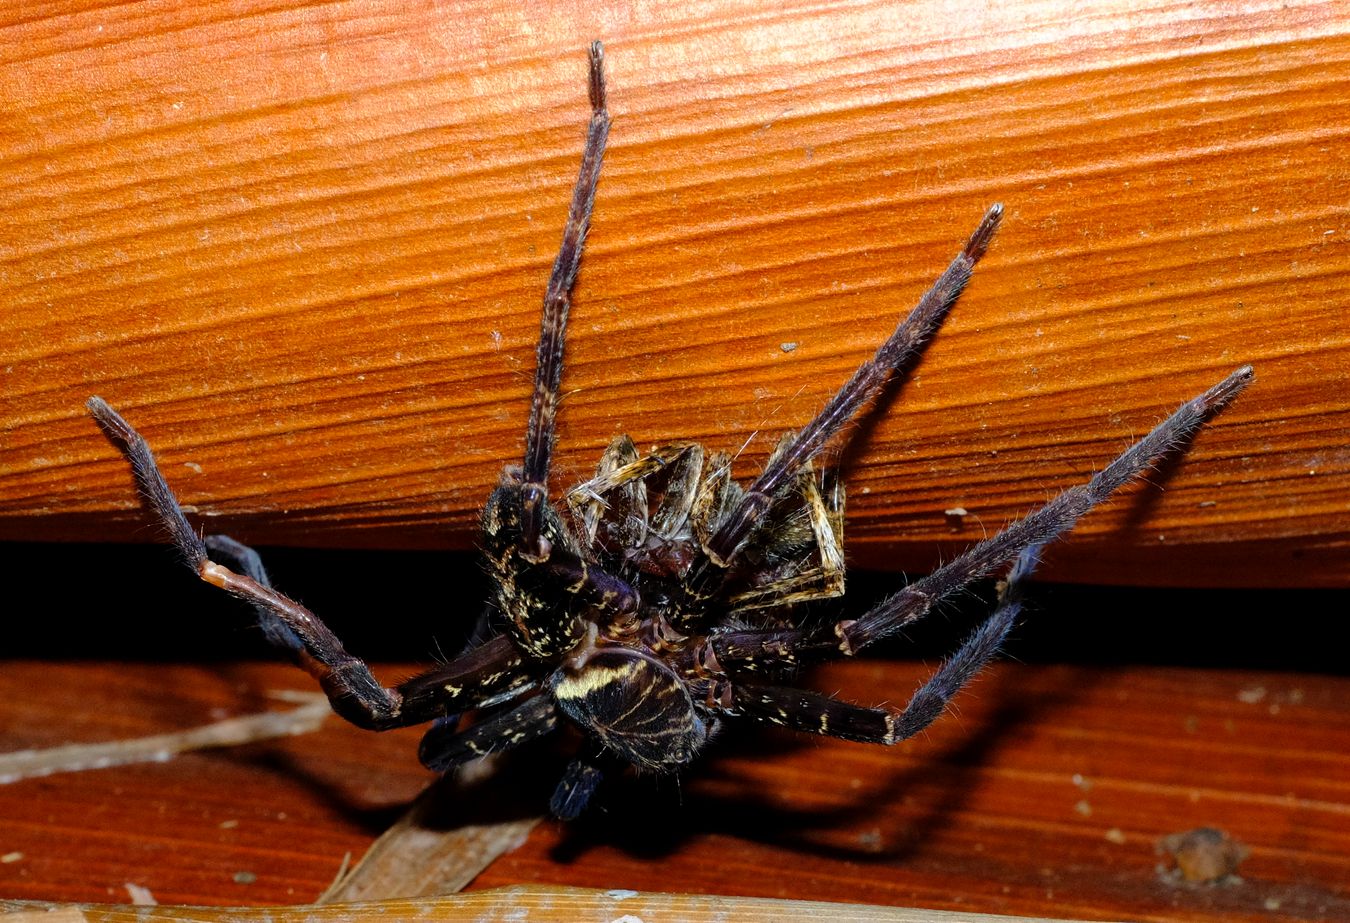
[[663, 598]]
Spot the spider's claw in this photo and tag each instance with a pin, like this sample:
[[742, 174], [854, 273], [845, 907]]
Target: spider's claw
[[984, 234], [597, 84], [1219, 396]]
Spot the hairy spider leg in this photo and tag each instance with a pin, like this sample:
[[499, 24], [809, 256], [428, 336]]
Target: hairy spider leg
[[480, 675], [579, 782], [539, 435], [244, 558], [742, 650], [1044, 525], [815, 713], [427, 686], [901, 348], [444, 747], [546, 587]]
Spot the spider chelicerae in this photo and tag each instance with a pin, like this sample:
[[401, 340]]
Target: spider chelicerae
[[663, 598]]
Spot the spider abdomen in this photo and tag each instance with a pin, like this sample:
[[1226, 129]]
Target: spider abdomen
[[634, 705]]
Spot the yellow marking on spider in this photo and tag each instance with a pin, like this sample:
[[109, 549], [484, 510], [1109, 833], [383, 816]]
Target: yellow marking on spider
[[581, 581], [592, 678]]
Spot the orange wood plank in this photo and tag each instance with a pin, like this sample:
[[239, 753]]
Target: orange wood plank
[[1043, 794]]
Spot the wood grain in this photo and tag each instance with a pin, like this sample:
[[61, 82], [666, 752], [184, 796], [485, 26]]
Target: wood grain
[[302, 246], [537, 903], [1045, 794], [525, 902]]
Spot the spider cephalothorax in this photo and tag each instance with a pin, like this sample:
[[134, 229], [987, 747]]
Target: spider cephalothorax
[[662, 597]]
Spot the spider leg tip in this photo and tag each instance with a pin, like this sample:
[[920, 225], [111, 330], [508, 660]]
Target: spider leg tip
[[1219, 396], [979, 241], [99, 408], [597, 82], [110, 420]]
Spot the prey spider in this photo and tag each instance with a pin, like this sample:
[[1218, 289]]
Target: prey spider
[[663, 598]]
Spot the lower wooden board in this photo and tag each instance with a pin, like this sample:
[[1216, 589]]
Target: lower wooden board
[[1046, 794], [530, 902]]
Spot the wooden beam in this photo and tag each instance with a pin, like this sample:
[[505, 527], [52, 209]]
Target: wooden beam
[[303, 247]]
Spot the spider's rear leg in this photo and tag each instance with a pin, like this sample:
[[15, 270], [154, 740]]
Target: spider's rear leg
[[574, 790], [1038, 528], [814, 713], [902, 347], [1045, 524], [480, 674]]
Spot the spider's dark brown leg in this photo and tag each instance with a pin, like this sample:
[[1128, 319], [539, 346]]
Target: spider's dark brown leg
[[814, 713], [574, 790], [745, 648], [466, 681], [444, 748], [250, 562], [899, 349], [480, 674], [1044, 525], [553, 327]]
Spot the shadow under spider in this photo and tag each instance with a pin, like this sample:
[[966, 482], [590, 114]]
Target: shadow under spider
[[672, 818]]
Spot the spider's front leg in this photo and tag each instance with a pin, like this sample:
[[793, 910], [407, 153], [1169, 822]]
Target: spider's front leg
[[545, 581], [539, 435], [487, 671]]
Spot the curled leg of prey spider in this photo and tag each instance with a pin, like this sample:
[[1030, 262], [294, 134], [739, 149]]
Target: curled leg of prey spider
[[661, 598]]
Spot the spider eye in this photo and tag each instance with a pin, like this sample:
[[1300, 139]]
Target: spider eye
[[634, 705]]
